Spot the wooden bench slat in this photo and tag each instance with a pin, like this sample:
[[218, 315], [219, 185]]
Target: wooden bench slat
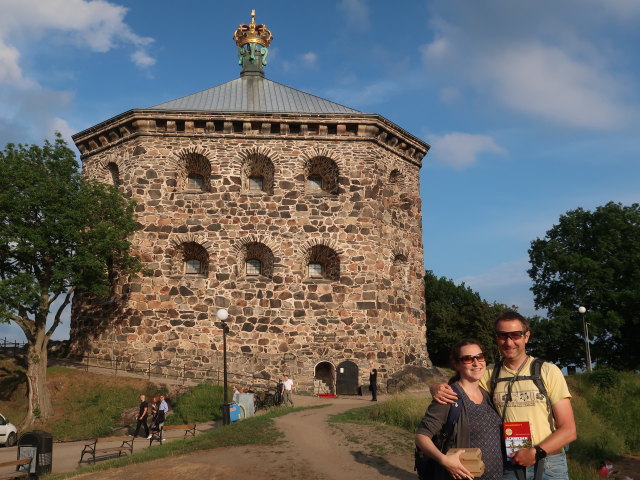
[[15, 463]]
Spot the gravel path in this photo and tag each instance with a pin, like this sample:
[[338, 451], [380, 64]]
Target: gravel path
[[312, 449]]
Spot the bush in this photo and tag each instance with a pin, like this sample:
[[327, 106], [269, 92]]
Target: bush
[[604, 379], [202, 403]]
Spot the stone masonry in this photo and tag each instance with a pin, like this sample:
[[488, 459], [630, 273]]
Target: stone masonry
[[363, 226]]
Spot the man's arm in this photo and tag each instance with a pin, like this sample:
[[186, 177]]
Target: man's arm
[[564, 434], [443, 393], [144, 412]]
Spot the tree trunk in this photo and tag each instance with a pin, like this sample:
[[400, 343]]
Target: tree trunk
[[40, 407]]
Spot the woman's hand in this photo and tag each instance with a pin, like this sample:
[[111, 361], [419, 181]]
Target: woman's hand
[[453, 465]]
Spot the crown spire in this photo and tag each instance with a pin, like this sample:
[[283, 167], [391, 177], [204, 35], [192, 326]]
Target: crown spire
[[253, 42]]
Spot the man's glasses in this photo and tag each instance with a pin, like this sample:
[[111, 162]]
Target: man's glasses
[[512, 335], [468, 359]]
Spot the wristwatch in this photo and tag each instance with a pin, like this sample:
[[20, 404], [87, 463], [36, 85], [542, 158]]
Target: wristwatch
[[540, 452]]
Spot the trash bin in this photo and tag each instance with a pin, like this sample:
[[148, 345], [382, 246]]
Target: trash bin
[[39, 446]]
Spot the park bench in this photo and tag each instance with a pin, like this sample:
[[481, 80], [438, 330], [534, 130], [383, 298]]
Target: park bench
[[158, 435], [23, 472], [91, 449]]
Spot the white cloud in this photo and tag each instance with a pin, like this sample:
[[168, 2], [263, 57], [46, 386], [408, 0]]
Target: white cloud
[[560, 69], [461, 150], [10, 72], [361, 96], [94, 24], [357, 14], [142, 59], [435, 50], [546, 82], [503, 275], [449, 94], [304, 61], [309, 59]]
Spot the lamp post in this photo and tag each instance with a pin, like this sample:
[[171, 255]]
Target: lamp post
[[582, 311], [222, 315]]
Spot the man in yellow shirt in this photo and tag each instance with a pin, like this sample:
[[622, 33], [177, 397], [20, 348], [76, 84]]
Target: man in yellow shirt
[[518, 399]]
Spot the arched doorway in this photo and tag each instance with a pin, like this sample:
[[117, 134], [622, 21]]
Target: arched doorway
[[347, 378], [324, 378]]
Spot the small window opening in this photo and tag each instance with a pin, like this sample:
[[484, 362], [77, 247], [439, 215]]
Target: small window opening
[[314, 183], [254, 267], [195, 182], [315, 270], [193, 267], [256, 183]]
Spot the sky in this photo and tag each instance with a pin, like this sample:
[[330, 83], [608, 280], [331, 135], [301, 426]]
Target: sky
[[531, 109]]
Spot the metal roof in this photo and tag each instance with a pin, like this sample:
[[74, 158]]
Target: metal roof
[[254, 94]]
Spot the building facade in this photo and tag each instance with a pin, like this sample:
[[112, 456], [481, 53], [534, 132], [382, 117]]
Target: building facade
[[298, 215]]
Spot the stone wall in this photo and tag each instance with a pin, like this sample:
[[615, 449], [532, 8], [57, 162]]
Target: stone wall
[[364, 227]]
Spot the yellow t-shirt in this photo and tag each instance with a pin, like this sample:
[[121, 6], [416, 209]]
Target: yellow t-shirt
[[527, 403]]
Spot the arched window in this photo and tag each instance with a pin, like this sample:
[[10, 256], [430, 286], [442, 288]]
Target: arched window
[[321, 175], [323, 262], [197, 172], [395, 176], [258, 174], [253, 267], [114, 171], [196, 259], [256, 259]]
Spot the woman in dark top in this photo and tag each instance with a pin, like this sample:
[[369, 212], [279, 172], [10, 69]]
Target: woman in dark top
[[479, 426], [373, 384]]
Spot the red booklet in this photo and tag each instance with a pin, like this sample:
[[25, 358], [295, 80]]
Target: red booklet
[[517, 435]]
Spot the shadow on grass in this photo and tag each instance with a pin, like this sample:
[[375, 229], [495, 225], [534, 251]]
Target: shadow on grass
[[383, 466]]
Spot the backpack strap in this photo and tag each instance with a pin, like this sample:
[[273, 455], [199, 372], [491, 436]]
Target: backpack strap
[[493, 382], [454, 412]]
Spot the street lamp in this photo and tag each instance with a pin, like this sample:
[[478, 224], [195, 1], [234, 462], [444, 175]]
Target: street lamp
[[222, 315], [582, 311]]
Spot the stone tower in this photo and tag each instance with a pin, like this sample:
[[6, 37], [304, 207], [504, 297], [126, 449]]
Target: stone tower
[[298, 215]]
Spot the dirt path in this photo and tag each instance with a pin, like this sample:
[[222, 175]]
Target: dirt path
[[312, 450]]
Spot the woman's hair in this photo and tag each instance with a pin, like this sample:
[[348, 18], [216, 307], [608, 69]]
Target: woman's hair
[[454, 355]]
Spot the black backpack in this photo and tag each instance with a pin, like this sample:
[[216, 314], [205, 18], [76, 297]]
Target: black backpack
[[534, 375], [425, 465]]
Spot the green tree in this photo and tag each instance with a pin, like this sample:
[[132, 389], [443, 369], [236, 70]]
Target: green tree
[[592, 258], [455, 312], [58, 233]]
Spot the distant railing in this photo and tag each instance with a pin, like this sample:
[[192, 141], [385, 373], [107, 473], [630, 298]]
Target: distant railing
[[11, 347], [151, 370]]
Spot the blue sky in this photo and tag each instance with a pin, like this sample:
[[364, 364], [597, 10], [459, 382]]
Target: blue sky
[[531, 108]]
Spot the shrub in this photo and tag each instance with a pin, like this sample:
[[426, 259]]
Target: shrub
[[202, 403], [604, 379]]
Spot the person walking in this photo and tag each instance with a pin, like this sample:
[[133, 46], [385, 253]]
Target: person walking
[[373, 384], [287, 390], [142, 417]]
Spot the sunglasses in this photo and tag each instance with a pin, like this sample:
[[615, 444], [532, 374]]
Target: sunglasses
[[468, 359], [512, 335]]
